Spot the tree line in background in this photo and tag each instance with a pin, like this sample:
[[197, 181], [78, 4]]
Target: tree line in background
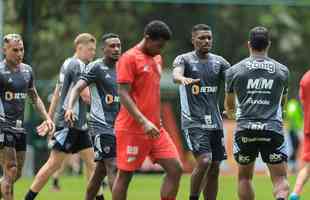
[[49, 28]]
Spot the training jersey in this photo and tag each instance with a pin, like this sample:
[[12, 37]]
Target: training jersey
[[104, 99], [199, 101], [259, 83], [304, 93], [69, 74], [14, 87], [143, 73]]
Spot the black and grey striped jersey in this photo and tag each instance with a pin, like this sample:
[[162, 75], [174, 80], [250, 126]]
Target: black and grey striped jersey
[[199, 101]]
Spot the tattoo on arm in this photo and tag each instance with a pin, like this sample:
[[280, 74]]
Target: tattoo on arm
[[37, 102]]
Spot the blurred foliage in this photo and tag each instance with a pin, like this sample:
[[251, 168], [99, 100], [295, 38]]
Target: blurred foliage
[[49, 28]]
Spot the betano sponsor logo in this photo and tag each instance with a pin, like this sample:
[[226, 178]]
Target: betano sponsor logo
[[109, 99], [196, 89], [9, 96]]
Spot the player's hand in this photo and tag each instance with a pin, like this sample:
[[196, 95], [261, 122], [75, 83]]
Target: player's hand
[[46, 127], [150, 129], [70, 117], [230, 114], [187, 81]]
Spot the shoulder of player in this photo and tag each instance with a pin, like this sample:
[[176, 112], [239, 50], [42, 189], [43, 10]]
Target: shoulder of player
[[71, 63], [218, 58], [97, 64], [26, 67]]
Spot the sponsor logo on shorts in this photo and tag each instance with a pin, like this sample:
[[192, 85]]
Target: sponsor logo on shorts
[[107, 149], [243, 159], [249, 140], [132, 150], [275, 157], [131, 159]]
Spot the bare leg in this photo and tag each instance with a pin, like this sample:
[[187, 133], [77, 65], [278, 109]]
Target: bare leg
[[278, 174], [199, 174], [95, 181], [245, 176], [51, 166], [87, 156], [170, 185], [302, 178], [211, 188], [9, 166], [121, 184]]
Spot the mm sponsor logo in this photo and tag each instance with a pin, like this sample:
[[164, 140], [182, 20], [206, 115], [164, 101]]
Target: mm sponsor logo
[[196, 89], [9, 96], [266, 65], [260, 84], [109, 99], [257, 101]]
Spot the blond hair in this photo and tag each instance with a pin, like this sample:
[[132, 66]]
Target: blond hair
[[84, 38]]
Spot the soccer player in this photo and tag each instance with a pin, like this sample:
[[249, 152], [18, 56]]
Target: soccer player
[[16, 83], [200, 74], [256, 92], [139, 132], [304, 173], [101, 77], [68, 138]]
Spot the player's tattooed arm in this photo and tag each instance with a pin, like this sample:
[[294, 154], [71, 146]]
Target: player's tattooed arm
[[47, 125], [54, 101]]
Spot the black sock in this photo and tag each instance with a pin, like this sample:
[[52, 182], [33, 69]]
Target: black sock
[[192, 197], [31, 195], [280, 198], [100, 197], [55, 182]]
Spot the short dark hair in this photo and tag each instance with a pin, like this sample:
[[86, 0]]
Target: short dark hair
[[259, 38], [201, 27], [108, 36], [158, 30]]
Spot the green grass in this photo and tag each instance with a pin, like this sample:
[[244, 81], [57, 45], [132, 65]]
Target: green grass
[[147, 187]]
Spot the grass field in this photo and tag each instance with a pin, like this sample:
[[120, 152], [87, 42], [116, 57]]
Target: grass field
[[147, 187]]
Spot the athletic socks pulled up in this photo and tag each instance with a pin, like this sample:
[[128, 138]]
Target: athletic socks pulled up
[[31, 195], [100, 197], [168, 198], [193, 197]]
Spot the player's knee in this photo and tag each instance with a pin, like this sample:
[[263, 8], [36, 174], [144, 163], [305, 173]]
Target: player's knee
[[204, 161], [11, 171], [176, 170], [214, 171]]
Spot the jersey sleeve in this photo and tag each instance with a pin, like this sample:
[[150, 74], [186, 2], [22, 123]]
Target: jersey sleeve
[[285, 90], [302, 90], [229, 76], [179, 61], [65, 75], [125, 69], [31, 81], [89, 74], [225, 66]]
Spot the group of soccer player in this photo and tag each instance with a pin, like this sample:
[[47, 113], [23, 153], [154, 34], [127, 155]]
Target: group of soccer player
[[124, 125]]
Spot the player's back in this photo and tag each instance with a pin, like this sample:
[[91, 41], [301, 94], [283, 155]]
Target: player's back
[[259, 83]]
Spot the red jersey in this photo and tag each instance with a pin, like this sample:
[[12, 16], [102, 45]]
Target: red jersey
[[142, 72], [304, 93]]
